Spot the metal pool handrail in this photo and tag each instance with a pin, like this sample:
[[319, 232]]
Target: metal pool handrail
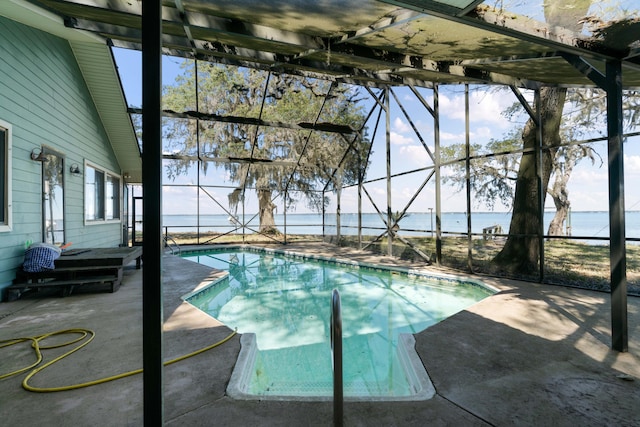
[[166, 240], [336, 353]]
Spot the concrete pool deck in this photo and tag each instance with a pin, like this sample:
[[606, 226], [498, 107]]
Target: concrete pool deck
[[529, 355]]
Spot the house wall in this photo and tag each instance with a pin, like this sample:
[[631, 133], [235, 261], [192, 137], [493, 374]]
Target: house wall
[[44, 97]]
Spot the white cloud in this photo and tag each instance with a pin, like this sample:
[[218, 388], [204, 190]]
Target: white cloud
[[178, 200], [589, 200], [586, 174], [409, 97], [398, 139], [632, 165], [414, 155], [400, 126], [446, 136], [588, 188], [380, 191], [481, 132], [484, 107], [632, 174]]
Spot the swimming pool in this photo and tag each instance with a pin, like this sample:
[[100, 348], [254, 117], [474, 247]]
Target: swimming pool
[[281, 305]]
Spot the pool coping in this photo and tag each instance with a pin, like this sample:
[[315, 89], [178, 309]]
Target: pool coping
[[343, 261], [415, 371]]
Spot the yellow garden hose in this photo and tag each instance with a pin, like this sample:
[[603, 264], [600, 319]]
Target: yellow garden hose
[[83, 333]]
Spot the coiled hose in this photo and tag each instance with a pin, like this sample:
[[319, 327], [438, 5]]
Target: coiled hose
[[83, 333]]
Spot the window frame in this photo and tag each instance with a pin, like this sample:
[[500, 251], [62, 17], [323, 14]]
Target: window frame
[[102, 217], [6, 224], [51, 189]]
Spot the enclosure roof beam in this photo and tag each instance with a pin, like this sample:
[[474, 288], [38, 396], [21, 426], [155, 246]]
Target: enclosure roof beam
[[185, 24], [174, 19], [278, 49], [271, 41], [298, 64], [525, 104], [404, 63], [313, 69], [633, 59], [370, 42], [387, 22], [484, 18], [589, 71]]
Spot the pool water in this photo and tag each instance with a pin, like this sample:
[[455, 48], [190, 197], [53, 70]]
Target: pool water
[[286, 302]]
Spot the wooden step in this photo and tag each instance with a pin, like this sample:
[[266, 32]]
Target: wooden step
[[66, 286]]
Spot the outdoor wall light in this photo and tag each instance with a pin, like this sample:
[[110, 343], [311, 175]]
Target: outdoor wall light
[[75, 169], [38, 156]]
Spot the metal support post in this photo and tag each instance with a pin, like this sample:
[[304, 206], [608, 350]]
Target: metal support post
[[617, 249], [431, 215], [541, 190], [388, 141], [436, 137], [467, 164], [152, 212], [324, 213], [284, 215], [244, 219], [199, 152], [611, 83], [338, 213], [359, 204]]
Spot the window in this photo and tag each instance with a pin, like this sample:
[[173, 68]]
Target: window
[[5, 176], [112, 194], [53, 224], [102, 195]]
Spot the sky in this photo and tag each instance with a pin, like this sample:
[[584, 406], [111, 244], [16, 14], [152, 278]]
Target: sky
[[588, 186]]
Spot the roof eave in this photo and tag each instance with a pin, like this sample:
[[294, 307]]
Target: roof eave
[[102, 82]]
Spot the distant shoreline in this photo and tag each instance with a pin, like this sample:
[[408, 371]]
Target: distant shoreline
[[414, 212], [582, 224]]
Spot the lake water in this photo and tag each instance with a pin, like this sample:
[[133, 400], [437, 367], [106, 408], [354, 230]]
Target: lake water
[[583, 224]]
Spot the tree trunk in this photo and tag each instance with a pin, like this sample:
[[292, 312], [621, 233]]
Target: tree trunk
[[266, 208], [560, 195], [556, 227], [520, 253]]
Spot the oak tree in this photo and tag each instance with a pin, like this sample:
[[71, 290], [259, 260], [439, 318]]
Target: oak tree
[[266, 133]]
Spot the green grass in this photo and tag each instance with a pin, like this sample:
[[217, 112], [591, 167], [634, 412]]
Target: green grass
[[567, 262]]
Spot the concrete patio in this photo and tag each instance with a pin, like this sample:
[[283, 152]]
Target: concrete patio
[[529, 355]]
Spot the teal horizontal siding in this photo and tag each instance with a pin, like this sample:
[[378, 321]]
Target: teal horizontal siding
[[44, 97]]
